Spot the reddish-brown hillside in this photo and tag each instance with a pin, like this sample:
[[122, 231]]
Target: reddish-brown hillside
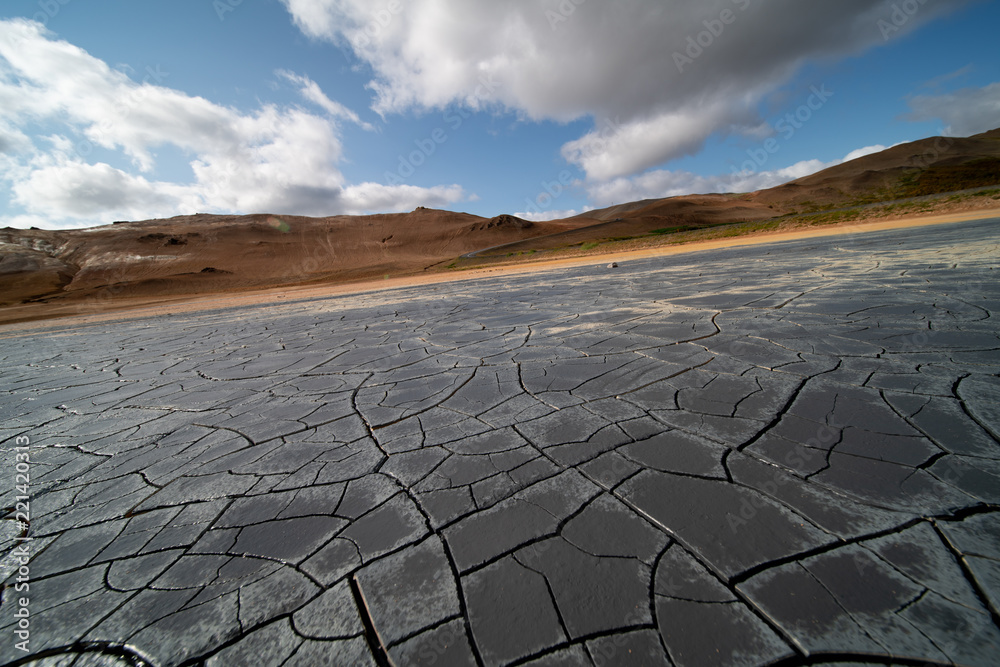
[[202, 254]]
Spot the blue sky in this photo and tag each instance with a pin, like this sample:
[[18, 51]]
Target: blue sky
[[132, 110]]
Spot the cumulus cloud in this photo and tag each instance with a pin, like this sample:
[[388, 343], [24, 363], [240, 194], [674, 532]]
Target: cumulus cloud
[[964, 112], [627, 147], [89, 190], [269, 159], [12, 140], [378, 197], [668, 73]]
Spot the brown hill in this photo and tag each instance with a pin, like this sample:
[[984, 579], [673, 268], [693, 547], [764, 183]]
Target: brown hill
[[200, 254], [661, 216], [925, 167]]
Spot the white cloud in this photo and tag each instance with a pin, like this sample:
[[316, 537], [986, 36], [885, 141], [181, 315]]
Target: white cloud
[[316, 18], [625, 148], [89, 190], [12, 140], [310, 90], [378, 197], [638, 63], [964, 112], [269, 159], [543, 216], [867, 150]]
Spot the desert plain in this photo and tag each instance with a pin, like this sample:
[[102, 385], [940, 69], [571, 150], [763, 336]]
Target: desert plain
[[783, 452], [457, 333]]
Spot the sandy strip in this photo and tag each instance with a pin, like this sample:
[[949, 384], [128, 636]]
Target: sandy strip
[[137, 309]]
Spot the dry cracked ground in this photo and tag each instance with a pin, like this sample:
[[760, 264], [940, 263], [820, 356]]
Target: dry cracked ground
[[785, 454]]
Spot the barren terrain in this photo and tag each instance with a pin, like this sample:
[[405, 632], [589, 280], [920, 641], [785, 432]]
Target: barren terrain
[[781, 453], [120, 266]]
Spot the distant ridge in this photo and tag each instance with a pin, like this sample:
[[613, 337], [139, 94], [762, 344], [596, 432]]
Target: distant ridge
[[202, 253]]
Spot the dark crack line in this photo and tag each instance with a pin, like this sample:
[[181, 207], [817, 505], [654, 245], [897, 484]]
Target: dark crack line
[[833, 597], [375, 642], [828, 454], [552, 595], [654, 569], [556, 532], [963, 565], [581, 641], [429, 628], [462, 603], [780, 414], [856, 540], [725, 465], [416, 413], [666, 378], [965, 408]]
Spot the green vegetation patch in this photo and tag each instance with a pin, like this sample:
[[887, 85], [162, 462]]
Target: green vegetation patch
[[671, 230], [950, 178]]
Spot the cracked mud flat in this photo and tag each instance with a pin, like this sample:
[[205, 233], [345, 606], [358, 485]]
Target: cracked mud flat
[[785, 454]]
